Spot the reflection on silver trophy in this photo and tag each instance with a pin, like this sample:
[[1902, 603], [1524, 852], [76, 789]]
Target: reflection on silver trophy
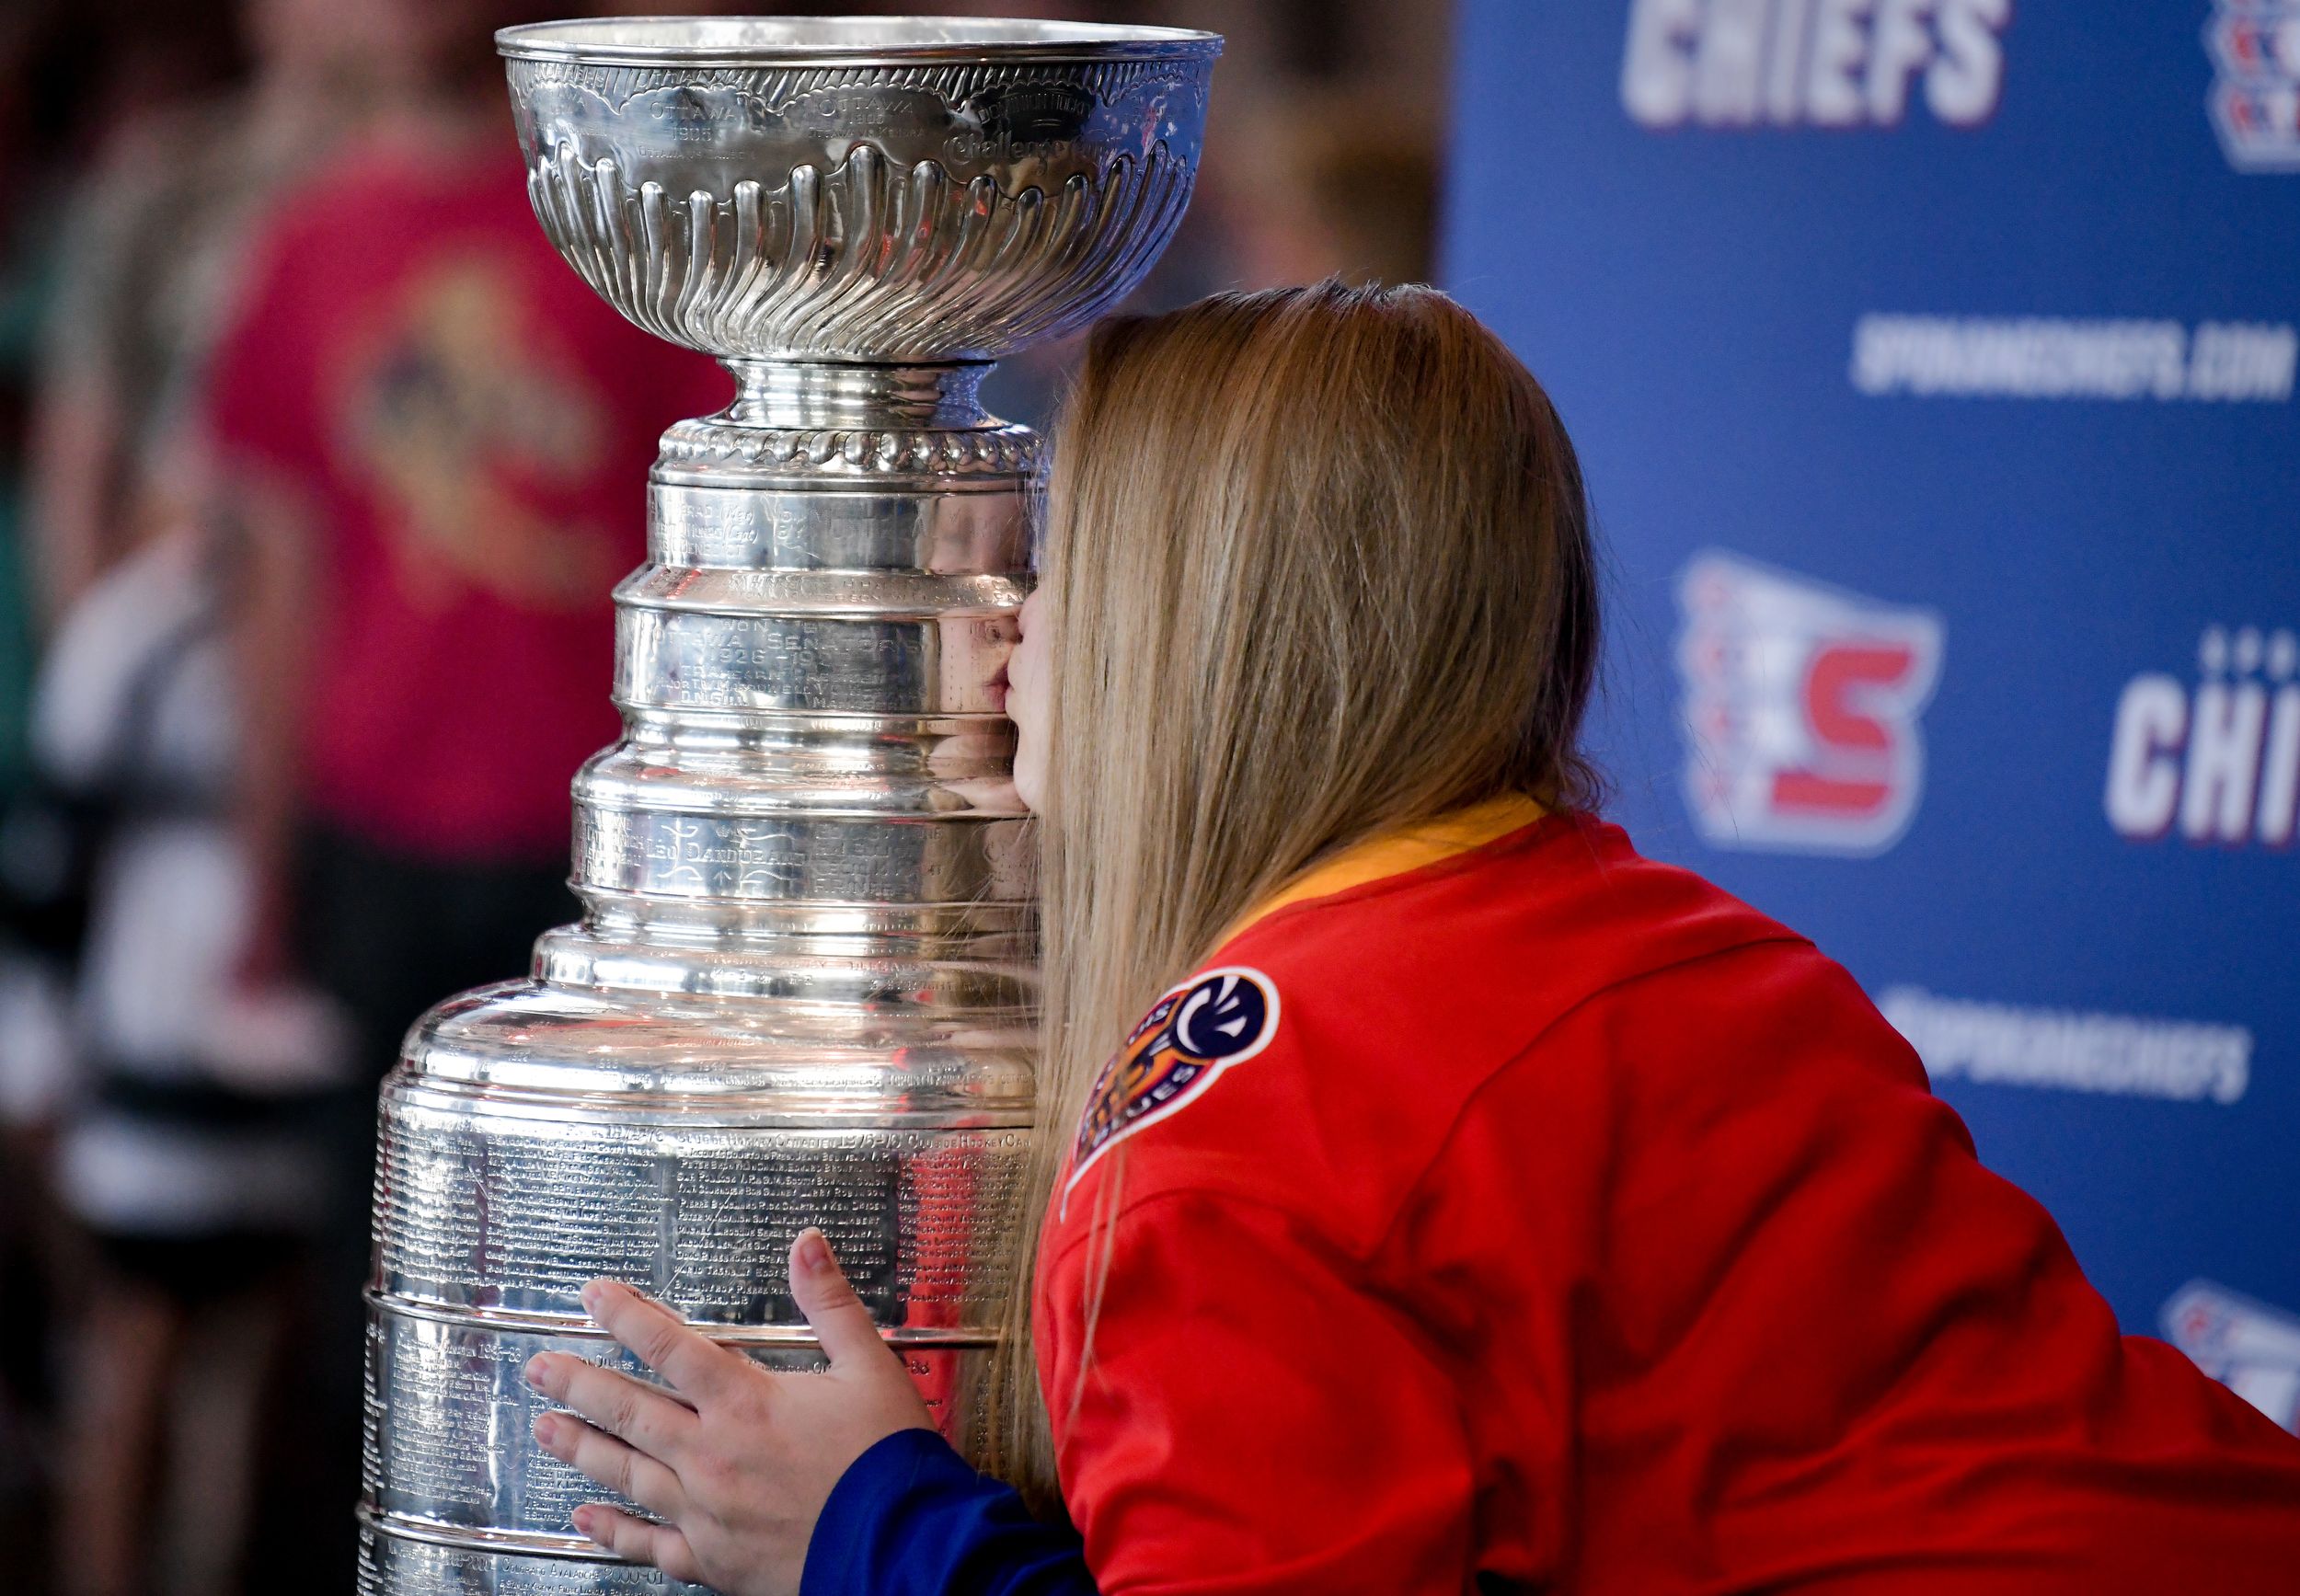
[[801, 990]]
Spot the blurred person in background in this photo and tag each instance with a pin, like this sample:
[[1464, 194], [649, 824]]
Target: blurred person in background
[[78, 79], [1334, 179], [186, 1157], [191, 1162], [148, 250], [432, 441], [1322, 160], [30, 151]]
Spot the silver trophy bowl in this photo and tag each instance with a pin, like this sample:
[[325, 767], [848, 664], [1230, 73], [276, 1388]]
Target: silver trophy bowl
[[912, 189], [802, 988]]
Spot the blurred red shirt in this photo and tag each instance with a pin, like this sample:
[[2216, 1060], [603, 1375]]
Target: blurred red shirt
[[1501, 1203], [466, 428]]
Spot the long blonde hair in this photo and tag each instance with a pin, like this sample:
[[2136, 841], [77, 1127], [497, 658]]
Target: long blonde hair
[[1317, 565]]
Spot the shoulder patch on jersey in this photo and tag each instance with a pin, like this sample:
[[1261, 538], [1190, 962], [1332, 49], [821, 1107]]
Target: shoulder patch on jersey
[[1216, 1018]]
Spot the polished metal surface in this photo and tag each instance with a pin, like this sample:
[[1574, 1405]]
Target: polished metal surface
[[802, 987], [818, 188]]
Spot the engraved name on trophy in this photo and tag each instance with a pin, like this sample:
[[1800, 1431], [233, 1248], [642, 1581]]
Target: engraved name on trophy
[[801, 989]]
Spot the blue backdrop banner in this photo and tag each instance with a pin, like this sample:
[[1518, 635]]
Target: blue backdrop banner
[[1932, 362]]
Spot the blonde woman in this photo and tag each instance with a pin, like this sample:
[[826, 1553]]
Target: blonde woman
[[1437, 1195]]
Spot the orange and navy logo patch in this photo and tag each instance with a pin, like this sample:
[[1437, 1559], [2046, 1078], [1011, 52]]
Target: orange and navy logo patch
[[1216, 1018]]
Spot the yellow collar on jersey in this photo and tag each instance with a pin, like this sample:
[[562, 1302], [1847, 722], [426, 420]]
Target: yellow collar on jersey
[[1394, 853]]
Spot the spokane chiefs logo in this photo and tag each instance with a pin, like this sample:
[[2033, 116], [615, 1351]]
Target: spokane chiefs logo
[[2254, 103], [2248, 1347], [1189, 1036], [1800, 708]]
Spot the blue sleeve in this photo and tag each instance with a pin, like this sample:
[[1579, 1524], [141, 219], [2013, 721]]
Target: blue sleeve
[[910, 1517]]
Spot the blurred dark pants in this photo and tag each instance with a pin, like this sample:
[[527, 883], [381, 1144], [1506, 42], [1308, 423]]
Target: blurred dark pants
[[387, 936]]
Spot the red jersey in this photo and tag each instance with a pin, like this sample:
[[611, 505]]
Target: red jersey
[[467, 428], [1498, 1210]]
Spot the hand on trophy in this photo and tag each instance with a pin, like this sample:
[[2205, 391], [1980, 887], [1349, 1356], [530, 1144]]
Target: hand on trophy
[[737, 1462]]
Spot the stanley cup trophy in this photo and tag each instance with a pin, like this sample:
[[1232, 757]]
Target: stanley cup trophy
[[801, 991]]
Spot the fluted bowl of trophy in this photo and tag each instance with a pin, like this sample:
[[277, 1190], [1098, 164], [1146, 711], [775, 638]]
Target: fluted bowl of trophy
[[802, 987]]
